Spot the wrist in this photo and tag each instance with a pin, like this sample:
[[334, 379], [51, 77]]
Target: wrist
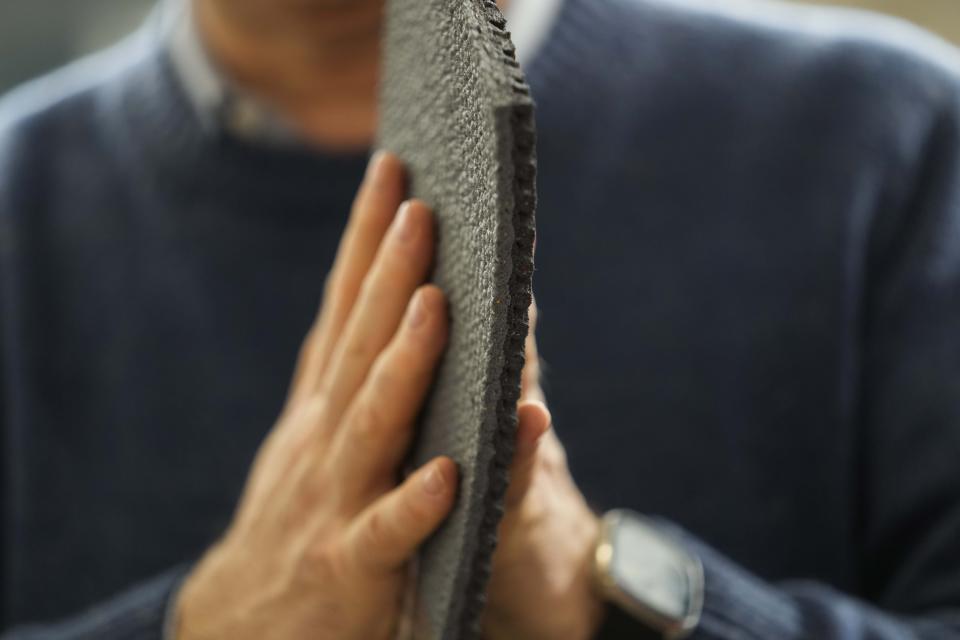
[[201, 593]]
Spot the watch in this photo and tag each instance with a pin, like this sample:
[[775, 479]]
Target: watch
[[647, 575]]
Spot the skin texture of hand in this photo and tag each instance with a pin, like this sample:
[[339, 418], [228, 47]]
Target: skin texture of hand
[[320, 542], [541, 587]]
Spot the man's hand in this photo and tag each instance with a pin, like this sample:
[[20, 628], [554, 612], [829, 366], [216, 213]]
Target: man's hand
[[320, 542], [541, 585]]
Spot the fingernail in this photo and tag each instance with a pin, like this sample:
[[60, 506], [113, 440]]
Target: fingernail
[[404, 227], [418, 311], [375, 160], [434, 484]]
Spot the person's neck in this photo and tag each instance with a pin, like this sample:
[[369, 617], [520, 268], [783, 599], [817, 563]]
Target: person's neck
[[316, 62]]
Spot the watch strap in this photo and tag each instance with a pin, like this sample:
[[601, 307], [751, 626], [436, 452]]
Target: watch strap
[[620, 625]]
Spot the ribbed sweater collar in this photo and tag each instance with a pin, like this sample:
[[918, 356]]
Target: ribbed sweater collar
[[154, 128]]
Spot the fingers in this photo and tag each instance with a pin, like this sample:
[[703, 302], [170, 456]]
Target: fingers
[[373, 209], [533, 421], [400, 266], [530, 389], [377, 428], [384, 537]]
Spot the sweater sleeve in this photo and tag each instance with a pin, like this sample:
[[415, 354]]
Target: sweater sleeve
[[140, 613], [740, 606], [908, 425]]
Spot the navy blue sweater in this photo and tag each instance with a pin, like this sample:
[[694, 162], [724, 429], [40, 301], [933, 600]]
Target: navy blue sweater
[[749, 284]]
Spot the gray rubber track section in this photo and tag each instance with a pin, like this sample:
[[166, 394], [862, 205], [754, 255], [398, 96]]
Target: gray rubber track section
[[455, 107]]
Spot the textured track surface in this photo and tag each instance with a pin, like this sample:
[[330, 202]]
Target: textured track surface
[[456, 109]]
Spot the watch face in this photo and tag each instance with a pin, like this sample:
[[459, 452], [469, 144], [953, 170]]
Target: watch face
[[651, 569]]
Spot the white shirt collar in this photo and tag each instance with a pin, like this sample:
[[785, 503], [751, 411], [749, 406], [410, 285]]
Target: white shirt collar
[[222, 106]]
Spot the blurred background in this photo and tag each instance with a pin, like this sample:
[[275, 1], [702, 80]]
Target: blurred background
[[36, 35]]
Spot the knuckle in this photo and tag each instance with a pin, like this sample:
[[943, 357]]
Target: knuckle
[[356, 351], [312, 493], [367, 423], [404, 257], [371, 287], [413, 509], [536, 510], [419, 349], [311, 411], [386, 375], [415, 353], [553, 456], [379, 529], [302, 423], [322, 563]]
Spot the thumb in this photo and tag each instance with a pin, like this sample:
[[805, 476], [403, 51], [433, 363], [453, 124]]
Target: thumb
[[530, 388], [533, 421]]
